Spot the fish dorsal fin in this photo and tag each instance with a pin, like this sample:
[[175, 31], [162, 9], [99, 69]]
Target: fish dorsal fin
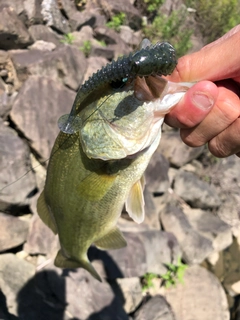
[[112, 240], [62, 262], [95, 186], [44, 213], [135, 201]]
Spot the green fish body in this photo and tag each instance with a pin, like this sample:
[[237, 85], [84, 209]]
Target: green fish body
[[92, 173]]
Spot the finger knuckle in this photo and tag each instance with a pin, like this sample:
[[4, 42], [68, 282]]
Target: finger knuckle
[[190, 138], [218, 148]]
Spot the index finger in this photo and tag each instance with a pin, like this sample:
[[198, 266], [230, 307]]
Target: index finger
[[217, 61]]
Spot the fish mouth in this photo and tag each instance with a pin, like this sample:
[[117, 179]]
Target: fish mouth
[[149, 88]]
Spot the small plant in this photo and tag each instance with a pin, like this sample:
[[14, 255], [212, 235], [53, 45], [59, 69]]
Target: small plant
[[153, 5], [102, 43], [206, 178], [117, 21], [86, 48], [147, 281], [174, 274], [215, 17], [68, 38], [172, 29]]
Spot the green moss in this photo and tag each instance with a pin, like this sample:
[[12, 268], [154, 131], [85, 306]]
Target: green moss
[[86, 48], [68, 38], [117, 21], [175, 273]]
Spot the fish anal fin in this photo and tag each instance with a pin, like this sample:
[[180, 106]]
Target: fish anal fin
[[112, 240], [63, 262], [135, 202], [44, 213], [95, 186]]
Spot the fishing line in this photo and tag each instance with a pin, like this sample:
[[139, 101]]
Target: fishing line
[[45, 161]]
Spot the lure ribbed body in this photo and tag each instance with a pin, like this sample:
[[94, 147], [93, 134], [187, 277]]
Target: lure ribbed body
[[158, 59]]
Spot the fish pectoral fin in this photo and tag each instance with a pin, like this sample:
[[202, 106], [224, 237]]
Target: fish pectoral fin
[[95, 186], [112, 240], [135, 202], [44, 213], [63, 262]]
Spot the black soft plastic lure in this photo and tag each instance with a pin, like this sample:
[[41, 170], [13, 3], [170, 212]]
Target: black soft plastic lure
[[158, 59]]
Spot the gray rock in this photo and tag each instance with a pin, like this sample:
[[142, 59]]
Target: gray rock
[[39, 104], [14, 164], [127, 225], [66, 64], [33, 11], [151, 213], [90, 18], [84, 297], [85, 35], [18, 7], [13, 231], [161, 248], [133, 16], [129, 36], [42, 32], [156, 308], [68, 7], [195, 247], [53, 17], [80, 37], [13, 33], [147, 251], [112, 39], [200, 297], [226, 267], [156, 175], [43, 46], [40, 239], [9, 80], [176, 151], [131, 291], [100, 51], [6, 102], [22, 59], [210, 226], [37, 298], [198, 193], [225, 175], [15, 273]]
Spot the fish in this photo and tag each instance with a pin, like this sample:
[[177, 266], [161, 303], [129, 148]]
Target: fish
[[97, 169]]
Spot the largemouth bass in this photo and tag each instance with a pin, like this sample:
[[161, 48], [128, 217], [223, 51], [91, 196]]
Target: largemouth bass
[[95, 170]]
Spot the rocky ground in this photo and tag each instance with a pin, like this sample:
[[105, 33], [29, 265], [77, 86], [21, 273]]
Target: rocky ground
[[192, 199]]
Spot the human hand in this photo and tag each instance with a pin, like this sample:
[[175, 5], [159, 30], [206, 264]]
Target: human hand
[[209, 112]]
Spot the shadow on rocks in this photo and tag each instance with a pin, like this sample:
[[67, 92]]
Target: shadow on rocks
[[70, 294], [38, 300], [114, 310]]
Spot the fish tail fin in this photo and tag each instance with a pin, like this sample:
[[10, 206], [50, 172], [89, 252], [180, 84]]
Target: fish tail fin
[[62, 262]]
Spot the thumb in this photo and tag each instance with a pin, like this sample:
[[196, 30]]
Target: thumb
[[194, 105]]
